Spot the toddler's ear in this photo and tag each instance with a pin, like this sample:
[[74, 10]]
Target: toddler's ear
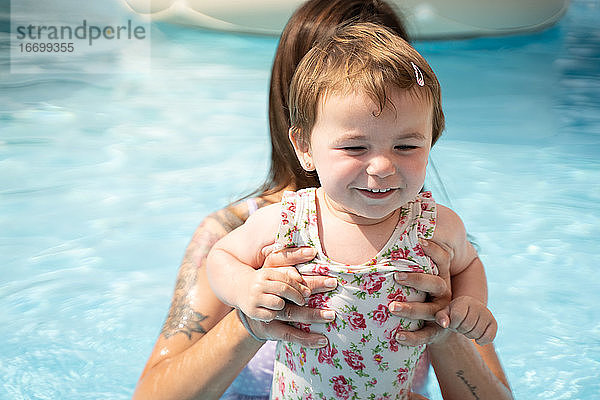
[[302, 149]]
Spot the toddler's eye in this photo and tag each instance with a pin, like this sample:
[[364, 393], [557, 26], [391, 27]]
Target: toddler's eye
[[354, 148], [405, 147]]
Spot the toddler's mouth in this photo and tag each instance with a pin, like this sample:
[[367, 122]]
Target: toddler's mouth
[[379, 190], [376, 193]]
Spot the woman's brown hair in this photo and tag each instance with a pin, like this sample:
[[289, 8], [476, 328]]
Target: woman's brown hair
[[313, 21]]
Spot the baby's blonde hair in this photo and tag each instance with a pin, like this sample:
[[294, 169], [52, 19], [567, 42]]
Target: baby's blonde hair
[[360, 57]]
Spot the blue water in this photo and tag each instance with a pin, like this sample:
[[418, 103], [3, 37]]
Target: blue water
[[103, 178]]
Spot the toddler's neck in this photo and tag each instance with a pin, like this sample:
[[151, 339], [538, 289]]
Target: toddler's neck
[[347, 241]]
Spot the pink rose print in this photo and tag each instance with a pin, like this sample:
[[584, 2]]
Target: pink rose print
[[318, 301], [378, 358], [400, 254], [391, 336], [372, 283], [284, 220], [304, 327], [289, 359], [321, 269], [381, 314], [292, 208], [281, 385], [427, 195], [332, 325], [357, 321], [302, 356], [326, 354], [342, 388], [398, 295], [415, 268], [353, 360], [292, 230], [402, 375], [419, 250]]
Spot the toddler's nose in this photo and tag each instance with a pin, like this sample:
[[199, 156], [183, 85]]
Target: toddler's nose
[[380, 166]]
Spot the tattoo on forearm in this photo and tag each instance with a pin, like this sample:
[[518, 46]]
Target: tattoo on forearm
[[473, 389], [182, 317]]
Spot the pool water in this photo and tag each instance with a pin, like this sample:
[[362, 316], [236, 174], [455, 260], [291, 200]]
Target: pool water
[[104, 177]]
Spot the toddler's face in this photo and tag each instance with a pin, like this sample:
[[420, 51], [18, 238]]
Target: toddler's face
[[370, 165]]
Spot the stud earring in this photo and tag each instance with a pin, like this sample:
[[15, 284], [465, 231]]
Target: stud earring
[[308, 166]]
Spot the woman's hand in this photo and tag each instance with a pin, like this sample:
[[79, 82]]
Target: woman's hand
[[438, 288], [278, 329]]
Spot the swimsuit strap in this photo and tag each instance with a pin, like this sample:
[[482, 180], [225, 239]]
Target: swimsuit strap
[[296, 216], [427, 216], [252, 205]]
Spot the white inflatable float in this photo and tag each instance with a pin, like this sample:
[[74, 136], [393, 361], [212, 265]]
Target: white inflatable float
[[430, 19]]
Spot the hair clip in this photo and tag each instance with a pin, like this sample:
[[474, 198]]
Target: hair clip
[[418, 74]]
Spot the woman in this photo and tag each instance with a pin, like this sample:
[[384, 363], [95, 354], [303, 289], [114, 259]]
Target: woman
[[204, 346]]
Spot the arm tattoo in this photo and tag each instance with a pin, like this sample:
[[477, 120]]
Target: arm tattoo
[[182, 318], [473, 389]]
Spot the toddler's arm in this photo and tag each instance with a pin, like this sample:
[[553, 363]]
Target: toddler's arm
[[232, 268], [467, 312]]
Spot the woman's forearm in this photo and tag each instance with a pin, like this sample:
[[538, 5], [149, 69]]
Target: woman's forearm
[[205, 370], [462, 372]]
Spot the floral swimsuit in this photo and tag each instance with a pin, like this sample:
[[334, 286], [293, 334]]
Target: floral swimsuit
[[363, 360]]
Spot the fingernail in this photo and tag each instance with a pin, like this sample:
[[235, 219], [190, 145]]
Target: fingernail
[[401, 276], [395, 307], [400, 337], [329, 315], [306, 292], [322, 342], [330, 282], [307, 251]]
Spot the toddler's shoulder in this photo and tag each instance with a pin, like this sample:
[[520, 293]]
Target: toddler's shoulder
[[265, 216], [449, 228]]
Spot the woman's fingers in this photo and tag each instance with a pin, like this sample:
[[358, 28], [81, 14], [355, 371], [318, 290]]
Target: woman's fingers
[[415, 310], [440, 253], [435, 285], [277, 330], [305, 315], [320, 283], [288, 256], [430, 333]]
